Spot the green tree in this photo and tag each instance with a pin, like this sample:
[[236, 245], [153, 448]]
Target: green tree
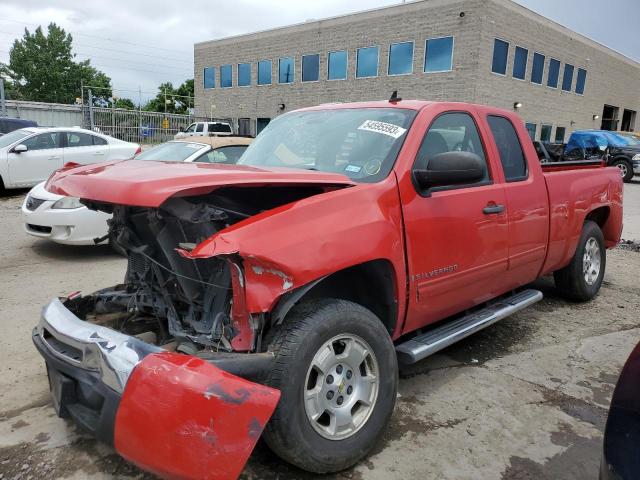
[[178, 100], [125, 103], [42, 68]]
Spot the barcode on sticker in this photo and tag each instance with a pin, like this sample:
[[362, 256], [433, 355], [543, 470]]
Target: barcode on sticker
[[381, 127]]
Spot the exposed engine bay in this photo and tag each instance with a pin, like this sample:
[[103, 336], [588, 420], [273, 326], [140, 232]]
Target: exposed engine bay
[[168, 300]]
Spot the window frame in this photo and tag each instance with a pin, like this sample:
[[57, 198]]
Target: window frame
[[427, 193], [377, 62], [526, 63], [551, 59], [535, 131], [230, 65], [533, 60], [258, 73], [293, 74], [564, 74], [238, 74], [413, 55], [204, 76], [506, 65], [584, 82], [564, 134], [71, 132], [346, 65], [302, 80], [453, 48], [550, 125], [524, 155], [61, 141]]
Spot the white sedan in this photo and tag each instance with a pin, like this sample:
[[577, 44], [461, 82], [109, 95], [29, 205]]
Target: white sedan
[[65, 220], [29, 155]]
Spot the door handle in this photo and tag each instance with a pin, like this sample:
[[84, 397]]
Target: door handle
[[99, 153], [492, 208], [54, 158]]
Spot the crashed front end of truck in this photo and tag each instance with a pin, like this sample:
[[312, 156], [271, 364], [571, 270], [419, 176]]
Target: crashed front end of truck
[[167, 365]]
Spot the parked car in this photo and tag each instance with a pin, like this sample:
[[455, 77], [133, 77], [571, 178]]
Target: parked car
[[65, 220], [276, 296], [10, 124], [619, 150], [29, 155], [217, 128], [620, 460]]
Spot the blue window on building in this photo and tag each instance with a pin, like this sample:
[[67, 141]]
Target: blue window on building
[[244, 74], [226, 79], [531, 130], [520, 63], [264, 72], [581, 80], [567, 78], [310, 68], [438, 56], [537, 69], [337, 65], [286, 70], [209, 77], [500, 55], [400, 58], [367, 62], [554, 73]]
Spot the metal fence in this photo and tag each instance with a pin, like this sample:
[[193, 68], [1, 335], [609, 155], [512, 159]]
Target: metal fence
[[136, 125]]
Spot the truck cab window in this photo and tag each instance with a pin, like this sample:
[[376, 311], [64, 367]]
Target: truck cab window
[[451, 132], [511, 154], [200, 127]]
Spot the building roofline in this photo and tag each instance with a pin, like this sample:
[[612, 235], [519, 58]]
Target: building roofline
[[417, 4]]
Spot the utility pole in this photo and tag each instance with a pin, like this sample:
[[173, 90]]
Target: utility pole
[[3, 104], [90, 99]]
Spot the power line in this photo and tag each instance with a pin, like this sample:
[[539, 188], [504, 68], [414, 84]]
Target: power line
[[117, 50], [96, 36]]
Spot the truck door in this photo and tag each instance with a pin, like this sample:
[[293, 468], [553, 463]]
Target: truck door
[[527, 203], [456, 236]]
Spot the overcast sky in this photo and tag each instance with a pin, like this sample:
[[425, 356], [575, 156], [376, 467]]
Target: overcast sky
[[142, 43]]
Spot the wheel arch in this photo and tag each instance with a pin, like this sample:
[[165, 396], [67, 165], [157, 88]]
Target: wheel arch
[[371, 284]]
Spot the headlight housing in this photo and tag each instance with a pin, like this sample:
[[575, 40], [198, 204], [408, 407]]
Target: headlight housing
[[636, 156], [67, 203]]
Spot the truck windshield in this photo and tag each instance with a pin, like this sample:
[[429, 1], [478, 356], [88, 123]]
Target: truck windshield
[[360, 143]]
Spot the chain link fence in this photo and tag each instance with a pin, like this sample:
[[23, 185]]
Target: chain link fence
[[138, 126]]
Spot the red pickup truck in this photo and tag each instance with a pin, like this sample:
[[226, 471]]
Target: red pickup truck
[[276, 297]]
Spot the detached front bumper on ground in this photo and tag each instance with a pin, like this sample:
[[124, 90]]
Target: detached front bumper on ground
[[176, 415]]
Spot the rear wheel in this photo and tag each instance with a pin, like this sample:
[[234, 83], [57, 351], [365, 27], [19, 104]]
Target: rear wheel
[[582, 278], [626, 169], [337, 372]]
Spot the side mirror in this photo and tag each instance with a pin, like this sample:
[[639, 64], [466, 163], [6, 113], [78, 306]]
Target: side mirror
[[21, 148], [450, 168]]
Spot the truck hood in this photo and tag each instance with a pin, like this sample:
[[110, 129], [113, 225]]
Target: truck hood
[[149, 184]]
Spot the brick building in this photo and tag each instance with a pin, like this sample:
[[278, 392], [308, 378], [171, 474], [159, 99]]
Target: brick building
[[484, 51]]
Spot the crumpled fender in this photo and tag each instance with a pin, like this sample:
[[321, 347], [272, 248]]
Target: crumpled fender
[[183, 418], [292, 245]]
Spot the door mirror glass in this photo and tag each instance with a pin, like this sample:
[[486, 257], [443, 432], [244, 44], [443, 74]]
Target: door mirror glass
[[20, 148], [451, 168]]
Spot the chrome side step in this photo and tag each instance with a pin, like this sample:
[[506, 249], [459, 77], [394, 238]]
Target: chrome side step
[[434, 340]]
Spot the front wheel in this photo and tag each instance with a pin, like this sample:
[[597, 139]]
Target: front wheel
[[582, 278], [626, 169], [337, 372]]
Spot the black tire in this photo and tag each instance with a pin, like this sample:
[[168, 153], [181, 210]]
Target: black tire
[[624, 166], [307, 327], [570, 281]]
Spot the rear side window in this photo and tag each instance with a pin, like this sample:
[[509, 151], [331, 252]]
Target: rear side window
[[99, 141], [451, 132], [219, 128], [511, 155], [77, 139]]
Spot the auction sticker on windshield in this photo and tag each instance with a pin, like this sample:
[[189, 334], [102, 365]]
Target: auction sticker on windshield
[[381, 127]]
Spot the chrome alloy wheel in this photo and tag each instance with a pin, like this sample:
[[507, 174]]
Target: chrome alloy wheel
[[591, 261], [341, 387], [623, 169]]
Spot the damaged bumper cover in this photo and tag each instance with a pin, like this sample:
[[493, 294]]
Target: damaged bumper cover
[[176, 415]]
